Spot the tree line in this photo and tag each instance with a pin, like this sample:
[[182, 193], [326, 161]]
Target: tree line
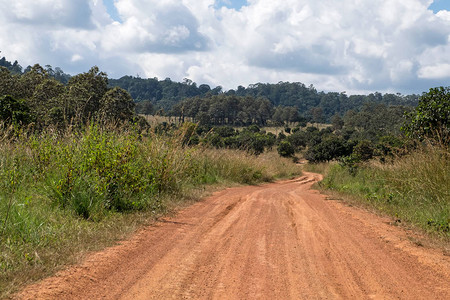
[[164, 96], [36, 98], [271, 102]]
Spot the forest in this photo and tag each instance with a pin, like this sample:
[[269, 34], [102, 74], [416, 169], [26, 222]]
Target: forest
[[40, 97], [257, 104]]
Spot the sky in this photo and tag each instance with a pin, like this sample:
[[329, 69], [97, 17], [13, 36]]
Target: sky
[[356, 46]]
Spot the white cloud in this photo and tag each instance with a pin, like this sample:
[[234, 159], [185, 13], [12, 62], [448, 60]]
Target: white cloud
[[47, 12], [435, 71], [76, 57], [153, 26], [444, 14], [351, 45]]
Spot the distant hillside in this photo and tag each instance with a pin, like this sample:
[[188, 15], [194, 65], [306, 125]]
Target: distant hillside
[[311, 104], [166, 96]]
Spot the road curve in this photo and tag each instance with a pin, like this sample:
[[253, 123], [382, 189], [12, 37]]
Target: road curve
[[275, 241]]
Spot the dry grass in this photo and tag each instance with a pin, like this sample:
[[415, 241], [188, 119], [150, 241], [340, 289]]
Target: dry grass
[[414, 188], [61, 196]]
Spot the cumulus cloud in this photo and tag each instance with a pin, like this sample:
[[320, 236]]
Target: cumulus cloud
[[48, 12], [351, 45], [154, 26]]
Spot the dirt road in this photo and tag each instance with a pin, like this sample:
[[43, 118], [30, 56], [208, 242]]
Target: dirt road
[[275, 241]]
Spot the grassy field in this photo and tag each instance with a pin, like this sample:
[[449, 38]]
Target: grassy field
[[61, 196], [414, 189], [154, 120]]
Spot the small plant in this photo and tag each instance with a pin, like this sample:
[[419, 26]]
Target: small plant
[[443, 225]]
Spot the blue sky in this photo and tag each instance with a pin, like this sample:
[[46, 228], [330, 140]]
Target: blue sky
[[438, 5], [234, 4], [112, 11], [378, 45]]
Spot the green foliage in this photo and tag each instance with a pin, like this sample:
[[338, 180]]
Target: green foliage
[[390, 146], [298, 139], [14, 111], [278, 104], [144, 107], [413, 188], [8, 82], [337, 122], [364, 150], [224, 131], [14, 68], [60, 193], [285, 149], [286, 102], [224, 110], [48, 102], [431, 119], [250, 139], [116, 105], [328, 149]]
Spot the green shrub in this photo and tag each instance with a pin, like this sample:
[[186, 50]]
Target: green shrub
[[328, 149], [285, 149], [364, 150]]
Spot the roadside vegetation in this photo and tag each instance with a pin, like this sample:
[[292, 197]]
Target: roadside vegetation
[[410, 181], [80, 169], [414, 188], [62, 194]]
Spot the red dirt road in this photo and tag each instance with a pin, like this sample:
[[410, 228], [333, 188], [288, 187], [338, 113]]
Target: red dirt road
[[275, 241]]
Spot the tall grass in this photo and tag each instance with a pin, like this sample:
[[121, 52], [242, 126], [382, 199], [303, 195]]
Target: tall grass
[[61, 195], [414, 188]]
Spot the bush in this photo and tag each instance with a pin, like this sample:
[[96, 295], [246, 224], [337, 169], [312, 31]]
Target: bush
[[364, 150], [285, 149], [297, 139], [328, 149]]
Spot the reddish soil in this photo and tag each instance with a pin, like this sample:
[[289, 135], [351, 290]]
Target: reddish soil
[[275, 241]]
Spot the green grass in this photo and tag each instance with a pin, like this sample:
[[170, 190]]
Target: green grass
[[414, 188], [61, 196]]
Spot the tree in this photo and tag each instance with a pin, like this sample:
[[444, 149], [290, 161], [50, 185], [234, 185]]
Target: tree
[[145, 107], [8, 82], [328, 149], [116, 105], [286, 149], [85, 91], [30, 80], [14, 111], [317, 114], [431, 118], [364, 150], [337, 122], [44, 102], [298, 139]]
